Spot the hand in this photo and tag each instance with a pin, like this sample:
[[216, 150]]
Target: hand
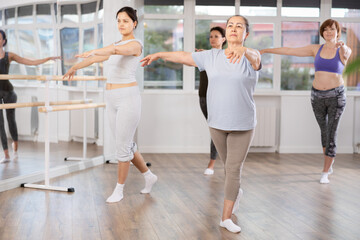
[[55, 58], [70, 74], [339, 44], [262, 51], [199, 50], [86, 54], [146, 61], [236, 54]]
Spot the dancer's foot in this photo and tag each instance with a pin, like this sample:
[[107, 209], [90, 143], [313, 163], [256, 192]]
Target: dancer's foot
[[324, 178], [150, 180], [230, 226], [237, 202], [209, 171], [5, 160], [117, 195]]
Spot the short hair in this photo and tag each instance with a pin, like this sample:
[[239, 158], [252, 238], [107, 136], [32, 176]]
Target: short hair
[[329, 23], [3, 36], [245, 19], [221, 31], [130, 12]]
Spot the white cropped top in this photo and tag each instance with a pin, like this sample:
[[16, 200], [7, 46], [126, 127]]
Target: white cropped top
[[121, 68]]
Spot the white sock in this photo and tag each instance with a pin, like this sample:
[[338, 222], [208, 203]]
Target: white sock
[[324, 177], [117, 195], [150, 179], [209, 171], [5, 160], [229, 225], [331, 168], [237, 202]]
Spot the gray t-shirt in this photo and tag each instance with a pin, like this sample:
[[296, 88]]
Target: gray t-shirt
[[230, 91], [121, 68]]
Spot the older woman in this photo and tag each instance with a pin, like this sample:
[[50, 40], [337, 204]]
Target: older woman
[[232, 75], [123, 101], [328, 98]]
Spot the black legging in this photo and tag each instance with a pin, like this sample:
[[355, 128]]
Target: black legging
[[8, 97], [203, 106]]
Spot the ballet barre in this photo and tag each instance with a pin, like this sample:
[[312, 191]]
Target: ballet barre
[[39, 104], [49, 78], [48, 108], [71, 107]]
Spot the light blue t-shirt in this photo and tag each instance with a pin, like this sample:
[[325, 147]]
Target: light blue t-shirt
[[121, 68], [231, 86]]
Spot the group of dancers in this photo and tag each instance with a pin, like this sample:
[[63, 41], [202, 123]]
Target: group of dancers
[[229, 77]]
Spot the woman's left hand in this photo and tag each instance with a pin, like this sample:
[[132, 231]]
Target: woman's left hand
[[236, 54], [339, 44], [86, 54], [55, 58]]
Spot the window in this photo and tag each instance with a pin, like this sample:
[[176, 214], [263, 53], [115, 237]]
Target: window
[[297, 73], [88, 11], [208, 7], [69, 48], [25, 15], [69, 13], [1, 17], [43, 13], [303, 8], [46, 37], [163, 35], [9, 16], [164, 7], [345, 8], [28, 48], [258, 7]]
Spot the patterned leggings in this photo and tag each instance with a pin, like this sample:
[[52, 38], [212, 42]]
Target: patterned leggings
[[328, 107]]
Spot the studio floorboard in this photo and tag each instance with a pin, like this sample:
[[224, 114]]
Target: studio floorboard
[[283, 199]]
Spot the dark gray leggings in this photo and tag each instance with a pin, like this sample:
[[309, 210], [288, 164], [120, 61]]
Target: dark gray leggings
[[203, 106], [8, 97], [328, 107]]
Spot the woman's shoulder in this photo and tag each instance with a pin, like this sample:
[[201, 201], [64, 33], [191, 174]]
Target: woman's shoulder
[[121, 42]]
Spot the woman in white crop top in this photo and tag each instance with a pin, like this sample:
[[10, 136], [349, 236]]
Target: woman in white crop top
[[123, 101]]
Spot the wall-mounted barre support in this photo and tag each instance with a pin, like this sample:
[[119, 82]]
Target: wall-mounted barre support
[[39, 104]]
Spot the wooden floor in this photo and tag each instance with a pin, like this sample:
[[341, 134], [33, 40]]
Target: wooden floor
[[283, 199], [31, 157]]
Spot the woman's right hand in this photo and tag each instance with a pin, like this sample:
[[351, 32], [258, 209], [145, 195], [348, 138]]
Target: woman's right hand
[[149, 59], [262, 51], [70, 74]]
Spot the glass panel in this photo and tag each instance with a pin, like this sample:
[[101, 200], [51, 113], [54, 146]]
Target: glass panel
[[350, 35], [1, 17], [100, 45], [215, 10], [10, 16], [300, 12], [101, 10], [28, 48], [11, 45], [167, 9], [160, 36], [46, 37], [258, 11], [344, 12], [69, 48], [69, 13], [261, 36], [25, 15], [88, 11], [202, 32], [297, 73], [43, 13], [89, 44]]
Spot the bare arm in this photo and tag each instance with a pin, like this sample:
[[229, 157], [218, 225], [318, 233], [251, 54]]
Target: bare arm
[[252, 55], [176, 57], [345, 51], [26, 61], [86, 62], [130, 49], [307, 51]]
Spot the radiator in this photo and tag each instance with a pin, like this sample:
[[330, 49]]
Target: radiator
[[265, 131]]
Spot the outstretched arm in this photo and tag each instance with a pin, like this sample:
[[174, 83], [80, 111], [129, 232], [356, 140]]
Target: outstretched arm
[[307, 51], [26, 61], [176, 57], [252, 55], [86, 62], [132, 48]]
